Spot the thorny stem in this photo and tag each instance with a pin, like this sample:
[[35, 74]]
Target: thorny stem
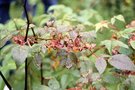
[[6, 82], [95, 50]]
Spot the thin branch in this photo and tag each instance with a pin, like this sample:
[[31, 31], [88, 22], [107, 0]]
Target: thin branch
[[95, 50], [41, 71], [33, 32], [15, 25], [28, 21], [6, 82], [26, 36], [113, 27], [43, 39], [26, 74]]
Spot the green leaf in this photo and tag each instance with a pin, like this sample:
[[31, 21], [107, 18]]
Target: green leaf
[[110, 79], [101, 64], [54, 84], [75, 73], [119, 17], [38, 58], [63, 81], [110, 44], [19, 22], [6, 36], [12, 24], [95, 76], [82, 80], [88, 36], [10, 65], [86, 68], [126, 32], [41, 87], [132, 43], [130, 82], [65, 11], [19, 54], [118, 43], [122, 62], [4, 40], [102, 24], [1, 27], [125, 51]]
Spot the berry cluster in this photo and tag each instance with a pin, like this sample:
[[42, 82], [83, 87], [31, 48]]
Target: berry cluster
[[61, 41], [19, 39]]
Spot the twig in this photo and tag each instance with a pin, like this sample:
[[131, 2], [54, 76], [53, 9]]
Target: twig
[[15, 24], [33, 32], [26, 74], [6, 82], [113, 27], [95, 50], [43, 39], [41, 71], [26, 36], [28, 21]]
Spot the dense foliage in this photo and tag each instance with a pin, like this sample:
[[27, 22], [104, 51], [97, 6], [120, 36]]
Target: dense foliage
[[107, 8], [66, 50]]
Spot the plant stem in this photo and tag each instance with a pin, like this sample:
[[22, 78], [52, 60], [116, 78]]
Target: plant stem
[[114, 27], [15, 25], [43, 39], [26, 36], [41, 71], [6, 82], [28, 21], [95, 50], [33, 32], [26, 75]]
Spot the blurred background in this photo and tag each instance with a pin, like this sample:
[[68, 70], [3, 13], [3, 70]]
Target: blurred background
[[106, 8]]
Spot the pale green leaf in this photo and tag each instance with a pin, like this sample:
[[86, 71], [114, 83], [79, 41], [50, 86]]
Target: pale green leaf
[[10, 65], [132, 43], [108, 45], [118, 43], [41, 87], [102, 24], [86, 68], [125, 33], [53, 84], [4, 40], [118, 17], [95, 76], [63, 81], [19, 54]]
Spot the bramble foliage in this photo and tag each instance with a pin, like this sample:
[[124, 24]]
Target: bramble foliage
[[73, 51]]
